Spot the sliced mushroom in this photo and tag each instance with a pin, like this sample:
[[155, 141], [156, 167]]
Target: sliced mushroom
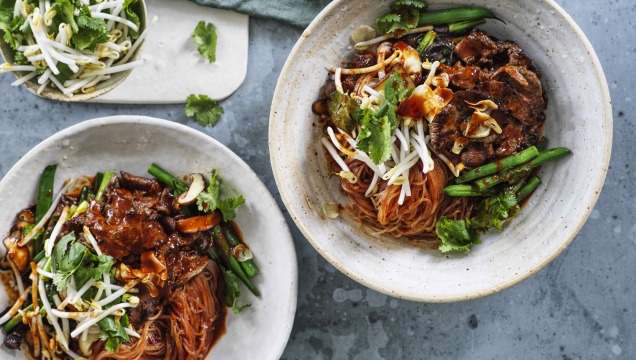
[[199, 223], [19, 255], [197, 184]]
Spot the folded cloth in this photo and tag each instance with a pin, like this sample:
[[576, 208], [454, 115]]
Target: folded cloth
[[294, 12]]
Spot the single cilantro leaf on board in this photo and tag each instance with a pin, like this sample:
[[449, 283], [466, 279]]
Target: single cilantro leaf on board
[[206, 111], [205, 37]]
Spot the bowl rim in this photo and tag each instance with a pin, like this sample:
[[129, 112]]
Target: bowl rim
[[344, 268], [152, 122], [56, 94]]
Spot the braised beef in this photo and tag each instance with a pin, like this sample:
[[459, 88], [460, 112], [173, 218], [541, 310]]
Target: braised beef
[[446, 126], [146, 185], [499, 71], [477, 153], [477, 48]]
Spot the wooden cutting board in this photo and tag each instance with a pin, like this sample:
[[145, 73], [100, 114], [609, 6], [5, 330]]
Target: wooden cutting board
[[174, 68]]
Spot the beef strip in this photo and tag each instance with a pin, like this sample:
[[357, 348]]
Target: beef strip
[[147, 186], [477, 48]]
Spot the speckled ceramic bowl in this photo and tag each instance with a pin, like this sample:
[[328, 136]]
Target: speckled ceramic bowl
[[132, 143], [100, 89], [579, 117]]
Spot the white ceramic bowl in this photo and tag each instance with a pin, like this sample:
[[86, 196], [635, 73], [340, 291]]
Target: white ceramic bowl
[[579, 117], [132, 143], [101, 88]]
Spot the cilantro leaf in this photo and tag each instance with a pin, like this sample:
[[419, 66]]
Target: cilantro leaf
[[210, 200], [405, 15], [113, 333], [232, 292], [19, 58], [64, 14], [396, 89], [205, 36], [66, 260], [133, 17], [374, 137], [91, 31], [228, 205], [456, 235], [65, 72], [93, 267], [6, 26], [206, 111], [493, 211], [343, 110]]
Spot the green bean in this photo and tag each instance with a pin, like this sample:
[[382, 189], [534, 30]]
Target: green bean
[[513, 175], [465, 25], [17, 318], [449, 16], [167, 179], [248, 265], [462, 190], [550, 155], [530, 186], [212, 254], [499, 165], [226, 255]]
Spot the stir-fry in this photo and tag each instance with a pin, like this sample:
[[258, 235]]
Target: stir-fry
[[124, 267]]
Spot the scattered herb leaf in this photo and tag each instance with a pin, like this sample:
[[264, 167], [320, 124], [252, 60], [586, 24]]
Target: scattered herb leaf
[[206, 111], [205, 37]]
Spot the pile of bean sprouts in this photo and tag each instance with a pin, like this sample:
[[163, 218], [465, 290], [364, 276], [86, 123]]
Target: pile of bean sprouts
[[89, 68]]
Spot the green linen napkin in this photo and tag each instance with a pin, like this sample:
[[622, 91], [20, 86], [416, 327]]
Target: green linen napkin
[[294, 12]]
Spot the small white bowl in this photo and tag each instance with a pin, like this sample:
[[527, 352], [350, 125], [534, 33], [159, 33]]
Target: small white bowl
[[101, 88], [579, 116], [132, 143]]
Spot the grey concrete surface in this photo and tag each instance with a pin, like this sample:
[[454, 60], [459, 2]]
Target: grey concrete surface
[[581, 306]]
